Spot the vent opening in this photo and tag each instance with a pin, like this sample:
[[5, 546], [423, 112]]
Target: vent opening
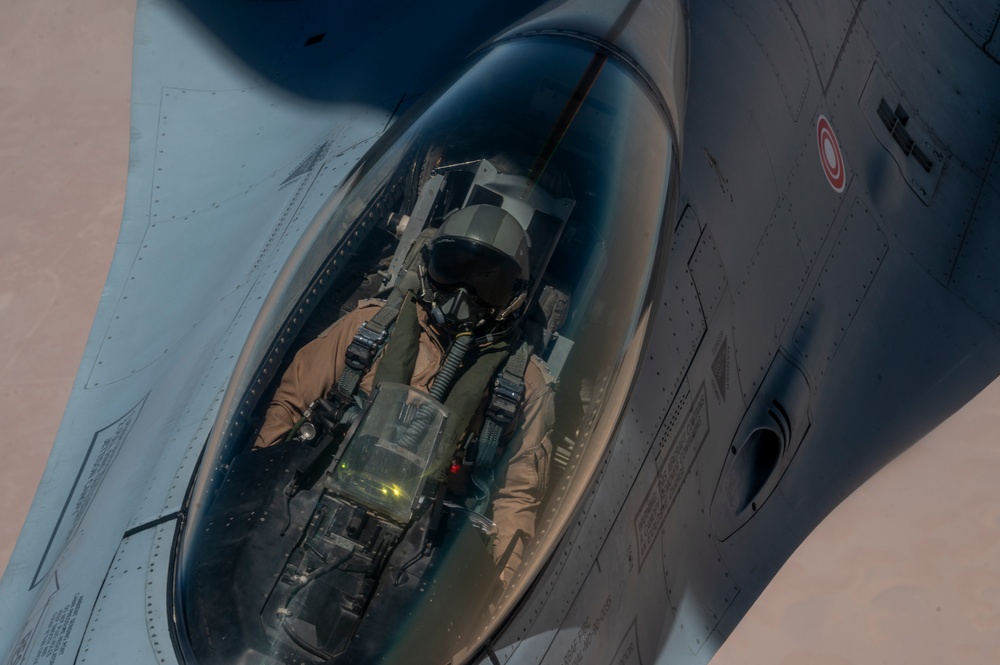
[[753, 465]]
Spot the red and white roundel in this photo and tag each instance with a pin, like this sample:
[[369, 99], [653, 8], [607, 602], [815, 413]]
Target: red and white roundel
[[829, 154]]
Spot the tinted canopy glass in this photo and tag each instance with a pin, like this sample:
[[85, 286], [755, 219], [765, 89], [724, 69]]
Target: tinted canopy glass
[[317, 550]]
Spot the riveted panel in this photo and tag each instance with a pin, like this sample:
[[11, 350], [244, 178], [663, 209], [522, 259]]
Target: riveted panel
[[164, 298], [825, 25], [178, 458], [132, 605], [764, 299], [677, 330], [686, 235], [699, 585], [209, 147], [676, 336], [896, 124], [672, 469], [993, 177], [976, 17], [100, 456], [976, 279], [775, 31], [708, 273], [993, 46], [844, 280], [948, 94], [808, 189]]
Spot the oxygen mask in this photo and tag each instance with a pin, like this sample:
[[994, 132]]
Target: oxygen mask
[[454, 309], [475, 270]]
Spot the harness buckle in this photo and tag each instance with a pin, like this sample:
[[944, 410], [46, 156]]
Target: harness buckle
[[365, 346], [506, 399]]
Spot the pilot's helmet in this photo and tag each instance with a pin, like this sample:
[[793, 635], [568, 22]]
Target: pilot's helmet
[[482, 248], [480, 253]]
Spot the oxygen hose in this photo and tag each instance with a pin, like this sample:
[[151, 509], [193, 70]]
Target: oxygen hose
[[439, 389], [449, 368]]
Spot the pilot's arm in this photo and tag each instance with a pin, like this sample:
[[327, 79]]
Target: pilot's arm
[[311, 375], [522, 474]]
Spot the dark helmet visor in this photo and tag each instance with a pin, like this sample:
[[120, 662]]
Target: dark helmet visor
[[489, 273]]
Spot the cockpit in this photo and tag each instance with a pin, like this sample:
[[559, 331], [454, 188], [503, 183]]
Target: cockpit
[[521, 209]]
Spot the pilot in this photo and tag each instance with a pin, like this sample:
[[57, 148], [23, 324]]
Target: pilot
[[474, 276]]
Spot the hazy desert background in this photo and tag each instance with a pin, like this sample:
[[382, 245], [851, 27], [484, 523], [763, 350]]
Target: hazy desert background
[[907, 570]]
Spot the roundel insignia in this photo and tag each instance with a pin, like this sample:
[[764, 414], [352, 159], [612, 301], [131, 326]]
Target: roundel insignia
[[829, 154]]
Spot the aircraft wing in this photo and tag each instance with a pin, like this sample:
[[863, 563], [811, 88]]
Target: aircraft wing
[[815, 290]]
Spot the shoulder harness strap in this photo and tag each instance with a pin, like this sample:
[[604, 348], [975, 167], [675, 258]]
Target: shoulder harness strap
[[369, 340], [505, 403]]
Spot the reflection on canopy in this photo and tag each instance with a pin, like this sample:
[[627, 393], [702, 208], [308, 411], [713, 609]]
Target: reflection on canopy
[[351, 552]]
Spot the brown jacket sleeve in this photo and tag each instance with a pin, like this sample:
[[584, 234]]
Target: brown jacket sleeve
[[524, 470], [312, 374]]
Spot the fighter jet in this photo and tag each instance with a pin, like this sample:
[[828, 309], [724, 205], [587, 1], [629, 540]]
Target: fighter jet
[[756, 266]]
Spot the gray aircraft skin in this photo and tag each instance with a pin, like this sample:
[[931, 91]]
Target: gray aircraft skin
[[791, 209]]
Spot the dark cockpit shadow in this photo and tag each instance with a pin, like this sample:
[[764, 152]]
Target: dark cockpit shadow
[[363, 52]]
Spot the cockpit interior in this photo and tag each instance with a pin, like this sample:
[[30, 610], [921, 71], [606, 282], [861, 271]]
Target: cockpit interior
[[340, 543]]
